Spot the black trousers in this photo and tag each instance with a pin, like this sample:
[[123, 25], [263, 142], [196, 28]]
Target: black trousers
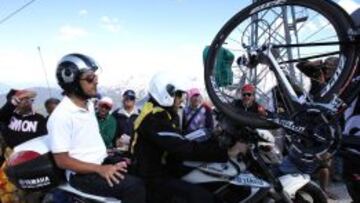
[[351, 167], [353, 188], [170, 190], [129, 190]]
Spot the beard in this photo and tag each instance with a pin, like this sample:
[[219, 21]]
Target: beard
[[247, 103]]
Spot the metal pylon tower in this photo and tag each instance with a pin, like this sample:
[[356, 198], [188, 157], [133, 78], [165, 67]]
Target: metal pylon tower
[[283, 28]]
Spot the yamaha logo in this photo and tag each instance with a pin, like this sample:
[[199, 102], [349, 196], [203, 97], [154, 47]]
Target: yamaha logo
[[35, 182]]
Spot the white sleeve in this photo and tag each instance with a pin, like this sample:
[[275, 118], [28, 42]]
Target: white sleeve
[[59, 130]]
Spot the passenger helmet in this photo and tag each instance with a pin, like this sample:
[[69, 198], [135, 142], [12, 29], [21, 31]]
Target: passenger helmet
[[268, 150], [163, 86]]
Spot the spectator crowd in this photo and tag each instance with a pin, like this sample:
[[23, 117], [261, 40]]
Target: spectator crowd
[[120, 130]]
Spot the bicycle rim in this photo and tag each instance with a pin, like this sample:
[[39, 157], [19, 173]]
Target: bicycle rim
[[322, 31]]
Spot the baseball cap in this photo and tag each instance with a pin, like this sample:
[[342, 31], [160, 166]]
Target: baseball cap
[[248, 88], [129, 94], [193, 92], [106, 101]]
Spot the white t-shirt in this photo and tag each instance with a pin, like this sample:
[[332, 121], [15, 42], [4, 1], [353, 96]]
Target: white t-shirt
[[75, 130]]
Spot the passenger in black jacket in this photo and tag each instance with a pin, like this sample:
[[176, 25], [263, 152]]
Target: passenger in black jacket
[[156, 136], [125, 118], [21, 122]]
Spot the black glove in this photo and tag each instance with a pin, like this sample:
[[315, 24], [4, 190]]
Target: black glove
[[311, 69], [10, 94]]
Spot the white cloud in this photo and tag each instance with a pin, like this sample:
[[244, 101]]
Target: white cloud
[[110, 24], [327, 29], [83, 13], [20, 67], [68, 33], [134, 64], [349, 5], [140, 63]]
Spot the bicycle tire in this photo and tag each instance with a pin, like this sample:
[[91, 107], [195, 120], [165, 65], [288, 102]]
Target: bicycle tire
[[314, 191], [330, 10]]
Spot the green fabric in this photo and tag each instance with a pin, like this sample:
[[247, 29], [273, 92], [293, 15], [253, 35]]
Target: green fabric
[[107, 130], [223, 72]]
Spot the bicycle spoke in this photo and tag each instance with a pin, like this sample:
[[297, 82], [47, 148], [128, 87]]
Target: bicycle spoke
[[312, 57], [311, 44], [315, 54], [326, 38], [274, 30], [234, 40], [318, 31], [309, 20], [264, 75], [296, 30]]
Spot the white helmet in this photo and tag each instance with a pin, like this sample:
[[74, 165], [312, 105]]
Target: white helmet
[[267, 138], [268, 151], [163, 86], [106, 100]]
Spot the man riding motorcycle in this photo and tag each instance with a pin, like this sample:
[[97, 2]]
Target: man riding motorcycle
[[75, 140], [156, 135]]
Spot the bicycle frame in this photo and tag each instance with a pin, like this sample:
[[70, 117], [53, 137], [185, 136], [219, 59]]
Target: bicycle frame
[[334, 107], [281, 75], [352, 90]]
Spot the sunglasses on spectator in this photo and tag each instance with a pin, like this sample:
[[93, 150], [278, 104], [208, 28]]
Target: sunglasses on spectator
[[105, 106], [90, 78], [247, 95], [130, 98], [30, 100]]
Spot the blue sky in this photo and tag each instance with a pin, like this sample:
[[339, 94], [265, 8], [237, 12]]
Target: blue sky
[[130, 39], [168, 20]]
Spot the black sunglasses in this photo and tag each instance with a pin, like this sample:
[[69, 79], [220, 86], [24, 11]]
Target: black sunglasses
[[130, 98], [30, 100], [105, 106], [247, 95], [90, 78]]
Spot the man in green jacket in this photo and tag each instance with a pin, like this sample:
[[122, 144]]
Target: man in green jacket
[[107, 122]]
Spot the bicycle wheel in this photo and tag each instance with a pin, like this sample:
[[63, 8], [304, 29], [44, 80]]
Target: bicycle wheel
[[298, 30]]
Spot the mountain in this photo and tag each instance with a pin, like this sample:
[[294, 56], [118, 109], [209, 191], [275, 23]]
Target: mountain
[[43, 93], [4, 88], [115, 92]]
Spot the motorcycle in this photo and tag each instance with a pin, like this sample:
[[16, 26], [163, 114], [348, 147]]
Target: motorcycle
[[252, 178], [31, 168]]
